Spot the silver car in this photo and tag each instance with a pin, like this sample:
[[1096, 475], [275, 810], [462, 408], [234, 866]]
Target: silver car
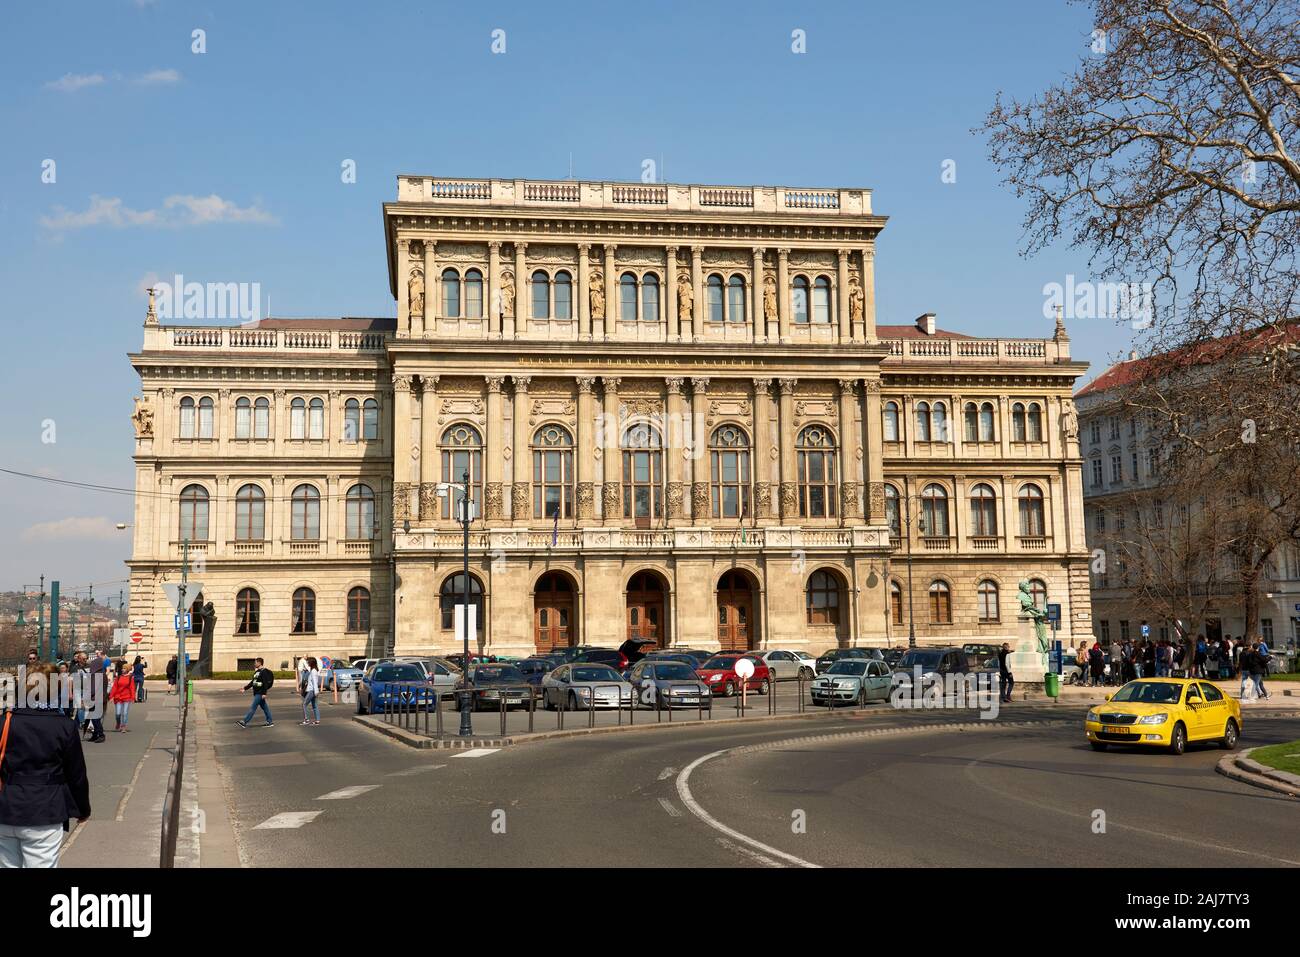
[[664, 683], [852, 681], [576, 687], [788, 665], [442, 674], [344, 678]]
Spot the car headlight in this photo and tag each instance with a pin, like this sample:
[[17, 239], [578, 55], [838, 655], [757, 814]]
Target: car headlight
[[582, 691], [1094, 717], [714, 678], [1153, 718]]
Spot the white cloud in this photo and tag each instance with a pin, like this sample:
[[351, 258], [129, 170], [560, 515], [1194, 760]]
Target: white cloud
[[154, 77], [176, 211], [72, 82], [70, 530]]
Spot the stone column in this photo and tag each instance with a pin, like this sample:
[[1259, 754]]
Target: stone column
[[611, 292], [762, 449], [403, 294], [789, 486], [402, 486], [701, 510], [432, 289], [585, 452], [783, 292], [428, 477], [869, 294], [583, 292], [759, 296], [697, 284], [850, 508], [873, 452], [1003, 426], [673, 433], [493, 494], [611, 492], [518, 325], [276, 518], [842, 295], [521, 505], [494, 290], [670, 295]]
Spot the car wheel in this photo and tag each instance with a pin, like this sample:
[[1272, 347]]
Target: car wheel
[[1098, 745], [572, 703], [762, 688], [862, 697], [806, 674], [1178, 739], [728, 689], [1230, 734], [360, 709]]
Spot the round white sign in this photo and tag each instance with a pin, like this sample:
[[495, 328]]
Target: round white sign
[[745, 668]]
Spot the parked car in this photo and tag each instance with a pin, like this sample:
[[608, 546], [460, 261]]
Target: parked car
[[719, 673], [852, 681], [442, 674], [828, 658], [491, 682], [603, 656], [668, 683], [393, 683], [342, 678], [788, 665], [692, 659], [632, 649], [695, 654], [980, 653], [363, 664], [577, 685], [938, 662], [892, 656], [535, 669]]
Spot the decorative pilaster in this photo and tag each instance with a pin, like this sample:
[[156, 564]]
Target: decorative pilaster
[[789, 498], [874, 452], [611, 429], [586, 446], [783, 292], [700, 511], [842, 295], [428, 475], [869, 294], [672, 452], [494, 290], [670, 295], [764, 451], [697, 283], [432, 289], [759, 296], [493, 499], [583, 292], [403, 290], [520, 491], [851, 457], [402, 443], [611, 294], [516, 323]]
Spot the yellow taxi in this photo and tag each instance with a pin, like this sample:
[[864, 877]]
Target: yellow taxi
[[1165, 713]]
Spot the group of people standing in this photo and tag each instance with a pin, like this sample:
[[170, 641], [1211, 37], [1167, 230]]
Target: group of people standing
[[1215, 659]]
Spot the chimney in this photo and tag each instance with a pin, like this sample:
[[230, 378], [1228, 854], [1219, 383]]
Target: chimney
[[925, 322], [1132, 355]]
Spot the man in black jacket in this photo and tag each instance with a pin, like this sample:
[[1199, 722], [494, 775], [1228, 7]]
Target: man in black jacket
[[42, 784], [260, 685], [1004, 673]]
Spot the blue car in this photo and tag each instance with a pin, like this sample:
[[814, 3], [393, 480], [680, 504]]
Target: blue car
[[395, 685]]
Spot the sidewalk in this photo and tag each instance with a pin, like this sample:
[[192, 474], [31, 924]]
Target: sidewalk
[[1283, 695]]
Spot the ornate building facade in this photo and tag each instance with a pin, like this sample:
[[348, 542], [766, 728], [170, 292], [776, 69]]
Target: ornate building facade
[[679, 419]]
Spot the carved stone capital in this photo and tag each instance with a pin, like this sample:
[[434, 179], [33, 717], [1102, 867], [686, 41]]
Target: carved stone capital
[[402, 383], [674, 384], [429, 383], [787, 386], [849, 499], [699, 501], [610, 384], [612, 496], [521, 382], [848, 386], [699, 384], [586, 384], [428, 501], [494, 382], [876, 500], [763, 499], [761, 386], [872, 386], [401, 502]]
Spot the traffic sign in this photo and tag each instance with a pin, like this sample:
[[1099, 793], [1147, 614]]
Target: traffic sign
[[177, 622], [1053, 612], [137, 637], [745, 668], [173, 592], [326, 663], [1146, 630]]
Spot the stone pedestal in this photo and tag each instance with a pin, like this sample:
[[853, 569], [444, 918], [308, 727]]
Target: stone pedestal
[[1026, 662]]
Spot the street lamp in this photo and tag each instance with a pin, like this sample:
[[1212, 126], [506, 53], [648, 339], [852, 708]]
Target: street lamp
[[465, 516], [920, 524]]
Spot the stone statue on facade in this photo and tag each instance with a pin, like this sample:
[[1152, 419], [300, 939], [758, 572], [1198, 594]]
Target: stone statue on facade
[[855, 300], [142, 418], [1069, 422], [507, 294], [685, 300], [597, 297], [415, 293], [769, 299], [1031, 612]]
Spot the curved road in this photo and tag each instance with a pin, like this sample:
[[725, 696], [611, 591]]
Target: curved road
[[998, 795]]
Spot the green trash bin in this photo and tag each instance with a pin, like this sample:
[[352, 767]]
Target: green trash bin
[[1052, 684]]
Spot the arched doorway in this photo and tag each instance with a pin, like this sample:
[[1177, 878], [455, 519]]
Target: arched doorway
[[736, 627], [553, 612], [645, 609]]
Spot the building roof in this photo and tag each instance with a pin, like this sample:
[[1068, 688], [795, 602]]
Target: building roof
[[912, 332], [346, 323]]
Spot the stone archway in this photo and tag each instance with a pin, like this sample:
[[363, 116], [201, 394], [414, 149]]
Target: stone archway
[[647, 608], [736, 608], [555, 601]]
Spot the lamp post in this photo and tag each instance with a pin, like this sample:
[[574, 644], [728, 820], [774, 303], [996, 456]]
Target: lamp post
[[920, 524], [466, 693]]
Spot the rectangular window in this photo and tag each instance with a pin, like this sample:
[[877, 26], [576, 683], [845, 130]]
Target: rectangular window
[[1116, 469], [1123, 630], [1114, 427], [262, 419], [298, 421], [1266, 630], [1105, 632], [316, 420], [1096, 473], [205, 418], [1133, 465], [243, 421], [1094, 433], [1099, 520]]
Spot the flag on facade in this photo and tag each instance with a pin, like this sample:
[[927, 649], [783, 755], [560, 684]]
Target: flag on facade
[[555, 530]]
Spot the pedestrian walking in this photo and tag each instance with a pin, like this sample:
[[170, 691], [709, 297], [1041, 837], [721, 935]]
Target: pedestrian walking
[[137, 673], [172, 668], [310, 688], [97, 685], [42, 781], [1259, 667], [1097, 661], [262, 680], [1004, 673], [122, 694], [1225, 658], [1244, 660], [1198, 662], [1081, 659]]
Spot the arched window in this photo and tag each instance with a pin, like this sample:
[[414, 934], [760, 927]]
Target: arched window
[[627, 297], [940, 603], [983, 511], [893, 513], [729, 471], [188, 430], [939, 422], [563, 295], [196, 616], [452, 594], [316, 419], [205, 417], [799, 300], [462, 450], [822, 598], [716, 312], [649, 298], [818, 488], [552, 473], [821, 301], [971, 415], [250, 514], [359, 609], [306, 514], [921, 413], [360, 513], [298, 418], [1035, 422], [541, 295], [987, 595], [370, 419], [892, 433], [1018, 423], [351, 420], [243, 418], [473, 294], [304, 612], [642, 473], [736, 299], [1038, 592], [451, 294], [248, 611], [986, 422], [895, 603], [194, 514], [262, 418], [1032, 519], [934, 512]]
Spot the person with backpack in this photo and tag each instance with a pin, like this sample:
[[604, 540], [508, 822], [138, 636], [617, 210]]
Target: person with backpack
[[1259, 667], [1198, 662], [1097, 663], [137, 673], [172, 669], [260, 685], [122, 694], [309, 687]]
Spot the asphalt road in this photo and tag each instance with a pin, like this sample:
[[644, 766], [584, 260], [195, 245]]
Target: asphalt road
[[728, 796]]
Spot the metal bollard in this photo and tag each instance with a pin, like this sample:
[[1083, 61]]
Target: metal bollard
[[532, 706], [505, 697]]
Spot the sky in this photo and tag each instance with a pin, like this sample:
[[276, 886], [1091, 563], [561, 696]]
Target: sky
[[133, 150]]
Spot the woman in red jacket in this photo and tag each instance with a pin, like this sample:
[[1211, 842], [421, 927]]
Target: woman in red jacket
[[122, 694]]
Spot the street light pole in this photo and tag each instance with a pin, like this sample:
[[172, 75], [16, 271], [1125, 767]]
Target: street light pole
[[911, 617], [467, 695], [40, 624]]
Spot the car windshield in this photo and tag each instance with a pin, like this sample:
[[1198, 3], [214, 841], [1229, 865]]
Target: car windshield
[[596, 674], [1149, 692], [848, 668], [671, 671], [497, 673], [833, 653], [926, 659], [532, 667], [722, 663], [397, 673]]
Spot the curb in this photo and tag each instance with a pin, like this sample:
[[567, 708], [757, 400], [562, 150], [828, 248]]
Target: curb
[[1239, 767]]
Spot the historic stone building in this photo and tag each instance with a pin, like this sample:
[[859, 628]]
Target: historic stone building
[[679, 418]]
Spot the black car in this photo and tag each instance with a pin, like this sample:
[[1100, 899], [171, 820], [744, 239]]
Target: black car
[[632, 649], [829, 658], [893, 656], [491, 682], [603, 656], [536, 668], [693, 659]]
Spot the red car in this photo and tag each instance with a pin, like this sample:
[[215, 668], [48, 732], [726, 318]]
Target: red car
[[719, 673]]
